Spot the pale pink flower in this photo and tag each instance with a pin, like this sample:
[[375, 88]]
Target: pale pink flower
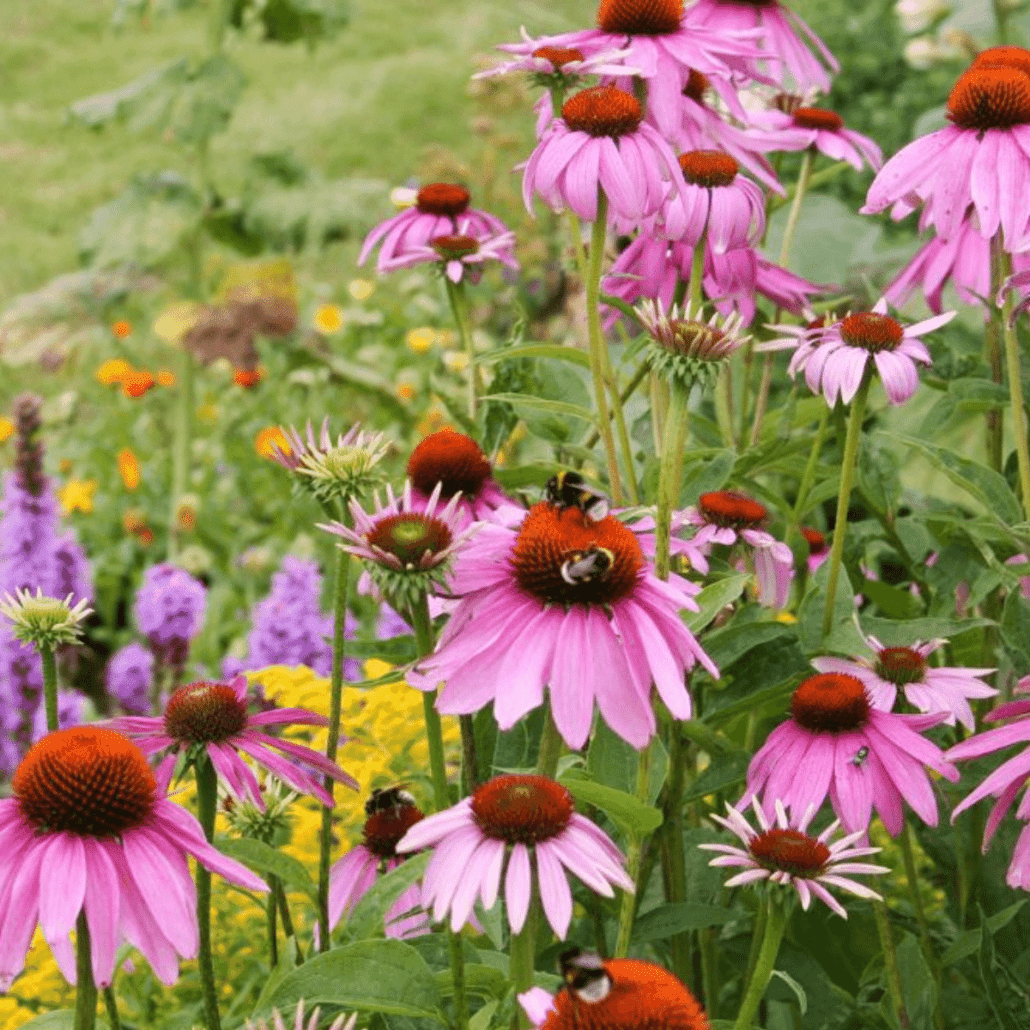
[[784, 853], [814, 127], [601, 142], [836, 743], [818, 550], [461, 254], [510, 828], [1005, 782], [215, 718], [1019, 281], [834, 357], [548, 56], [726, 518], [89, 829], [980, 161], [929, 688], [786, 40], [437, 209], [552, 602]]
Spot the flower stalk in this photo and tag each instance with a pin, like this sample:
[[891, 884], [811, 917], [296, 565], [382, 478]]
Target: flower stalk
[[1019, 427], [550, 746], [49, 660], [847, 479], [776, 918], [670, 472], [85, 988], [890, 961], [522, 961], [633, 854], [458, 299], [207, 804]]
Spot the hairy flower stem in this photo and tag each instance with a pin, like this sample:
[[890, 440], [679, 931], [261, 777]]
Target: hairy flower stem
[[808, 476], [470, 777], [673, 829], [522, 960], [1016, 402], [847, 479], [271, 912], [46, 655], [460, 307], [111, 1004], [85, 989], [598, 235], [994, 417], [325, 837], [423, 626], [890, 961], [905, 840], [550, 748], [183, 445], [207, 805], [670, 473], [775, 925], [633, 853]]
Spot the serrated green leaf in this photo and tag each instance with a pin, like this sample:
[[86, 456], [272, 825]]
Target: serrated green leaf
[[386, 976], [632, 815], [668, 920], [537, 350], [713, 598], [367, 918], [263, 858]]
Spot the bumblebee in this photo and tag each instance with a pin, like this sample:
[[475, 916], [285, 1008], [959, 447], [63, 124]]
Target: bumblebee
[[586, 566], [383, 799], [584, 975], [568, 490]]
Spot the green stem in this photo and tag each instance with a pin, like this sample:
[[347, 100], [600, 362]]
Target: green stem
[[522, 959], [697, 275], [271, 907], [847, 477], [633, 852], [460, 307], [794, 215], [669, 474], [890, 961], [994, 417], [111, 1004], [287, 919], [598, 235], [905, 841], [627, 391], [85, 989], [461, 1014], [808, 477], [470, 778], [325, 838], [183, 448], [775, 925], [46, 654], [757, 936], [673, 825], [551, 744], [207, 803], [1016, 402], [625, 447]]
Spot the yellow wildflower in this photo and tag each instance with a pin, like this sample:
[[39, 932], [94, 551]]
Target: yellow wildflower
[[421, 339], [6, 428], [165, 377], [456, 360], [77, 495], [328, 319], [361, 289], [113, 371], [128, 468], [406, 391], [270, 438], [175, 322]]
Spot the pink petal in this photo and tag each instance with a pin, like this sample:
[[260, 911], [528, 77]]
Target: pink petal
[[518, 887], [555, 895]]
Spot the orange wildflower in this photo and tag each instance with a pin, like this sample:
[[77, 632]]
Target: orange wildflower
[[128, 468], [121, 329], [136, 384], [113, 371], [269, 439], [165, 377], [248, 378]]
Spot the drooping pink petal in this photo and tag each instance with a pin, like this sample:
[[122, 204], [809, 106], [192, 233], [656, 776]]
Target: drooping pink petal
[[518, 887], [555, 895]]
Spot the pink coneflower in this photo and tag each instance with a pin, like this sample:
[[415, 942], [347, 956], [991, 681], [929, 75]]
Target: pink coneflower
[[458, 463], [547, 58], [214, 717], [515, 825], [438, 208], [784, 853], [834, 357], [551, 602], [816, 127], [713, 199], [601, 142], [787, 40], [929, 688], [725, 517], [460, 254], [390, 814], [818, 549], [89, 828], [981, 160], [1005, 782], [837, 743]]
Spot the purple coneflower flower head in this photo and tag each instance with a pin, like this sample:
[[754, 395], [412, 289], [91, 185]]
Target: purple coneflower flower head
[[713, 202], [834, 357], [728, 518], [458, 464], [390, 814], [929, 688], [786, 40], [89, 828], [601, 142], [460, 255], [437, 209], [341, 1022], [513, 826], [169, 610], [816, 127], [214, 718], [1005, 782], [407, 546], [981, 160], [784, 853], [568, 602], [837, 743], [552, 63]]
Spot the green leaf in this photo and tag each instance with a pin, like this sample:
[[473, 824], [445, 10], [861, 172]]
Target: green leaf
[[385, 976], [263, 858], [396, 650], [101, 108], [1015, 631], [59, 1019], [979, 481], [369, 913], [903, 632], [723, 772], [536, 350], [483, 981], [968, 942], [481, 1020], [892, 601], [799, 991], [613, 763], [727, 646], [668, 920], [632, 815], [877, 479], [713, 598], [995, 997], [543, 404], [358, 375], [917, 984], [707, 474]]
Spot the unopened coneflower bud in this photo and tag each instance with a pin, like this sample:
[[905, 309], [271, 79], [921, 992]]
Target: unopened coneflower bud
[[45, 622]]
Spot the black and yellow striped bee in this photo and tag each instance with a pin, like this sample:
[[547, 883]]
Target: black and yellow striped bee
[[383, 799], [586, 566], [584, 975], [569, 490]]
